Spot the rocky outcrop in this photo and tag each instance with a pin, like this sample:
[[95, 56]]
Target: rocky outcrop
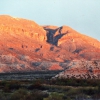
[[70, 40], [81, 69], [27, 46], [21, 27]]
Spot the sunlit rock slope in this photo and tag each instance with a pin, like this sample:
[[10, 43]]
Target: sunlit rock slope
[[27, 46]]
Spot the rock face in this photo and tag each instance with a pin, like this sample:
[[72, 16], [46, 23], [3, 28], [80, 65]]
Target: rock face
[[27, 46], [73, 42], [17, 27], [81, 69], [19, 39]]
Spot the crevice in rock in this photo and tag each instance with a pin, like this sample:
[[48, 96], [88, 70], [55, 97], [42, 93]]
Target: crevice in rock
[[54, 39]]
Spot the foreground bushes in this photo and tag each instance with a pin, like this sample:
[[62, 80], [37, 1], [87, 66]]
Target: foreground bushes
[[55, 96], [23, 94], [75, 82], [59, 89]]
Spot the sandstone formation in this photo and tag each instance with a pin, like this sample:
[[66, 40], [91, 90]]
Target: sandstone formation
[[27, 46], [81, 69]]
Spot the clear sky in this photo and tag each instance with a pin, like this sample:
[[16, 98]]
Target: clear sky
[[81, 15]]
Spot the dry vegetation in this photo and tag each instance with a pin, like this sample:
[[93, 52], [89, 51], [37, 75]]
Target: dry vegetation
[[41, 89]]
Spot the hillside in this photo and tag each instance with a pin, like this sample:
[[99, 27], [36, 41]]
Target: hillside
[[27, 46]]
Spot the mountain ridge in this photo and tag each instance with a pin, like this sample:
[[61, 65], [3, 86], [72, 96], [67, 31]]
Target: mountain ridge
[[27, 46]]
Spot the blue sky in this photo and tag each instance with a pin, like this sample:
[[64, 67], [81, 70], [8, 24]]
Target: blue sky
[[81, 15]]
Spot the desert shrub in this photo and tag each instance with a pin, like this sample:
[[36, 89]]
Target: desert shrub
[[98, 88], [88, 90], [23, 94], [2, 83], [8, 86], [35, 85], [14, 85], [72, 92], [75, 82], [96, 96], [2, 96], [6, 89], [19, 95], [54, 96], [37, 95], [68, 98]]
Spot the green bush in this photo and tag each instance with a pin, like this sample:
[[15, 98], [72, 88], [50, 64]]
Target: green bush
[[54, 96], [72, 92], [2, 96], [19, 94], [23, 94]]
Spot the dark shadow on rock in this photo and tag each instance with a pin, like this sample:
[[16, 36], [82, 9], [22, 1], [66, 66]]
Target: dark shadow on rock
[[56, 39], [77, 50], [37, 49], [50, 35]]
